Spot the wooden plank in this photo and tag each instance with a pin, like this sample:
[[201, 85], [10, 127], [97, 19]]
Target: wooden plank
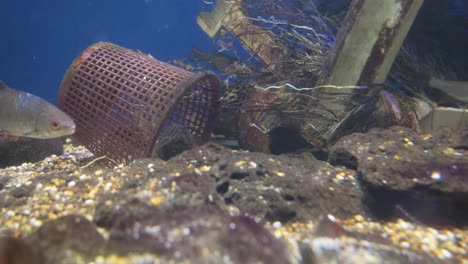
[[445, 117], [363, 53], [228, 15], [369, 40]]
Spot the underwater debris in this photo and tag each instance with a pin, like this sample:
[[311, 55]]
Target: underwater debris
[[126, 103], [172, 141], [285, 54], [360, 58], [304, 39], [314, 85], [231, 16], [456, 89]]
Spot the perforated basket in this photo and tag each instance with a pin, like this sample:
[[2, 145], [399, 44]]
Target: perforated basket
[[122, 100]]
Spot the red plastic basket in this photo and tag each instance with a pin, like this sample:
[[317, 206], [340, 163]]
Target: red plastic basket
[[121, 101]]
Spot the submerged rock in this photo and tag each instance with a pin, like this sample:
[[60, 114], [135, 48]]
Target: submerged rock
[[332, 243], [278, 188], [212, 204], [23, 150], [199, 235], [419, 177], [16, 251], [66, 238]]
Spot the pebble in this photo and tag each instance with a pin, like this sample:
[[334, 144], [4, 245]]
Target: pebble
[[436, 175], [331, 218], [405, 244], [10, 213], [277, 224], [253, 165], [446, 254], [35, 223]]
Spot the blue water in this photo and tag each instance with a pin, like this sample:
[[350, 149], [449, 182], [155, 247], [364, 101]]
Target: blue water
[[40, 39]]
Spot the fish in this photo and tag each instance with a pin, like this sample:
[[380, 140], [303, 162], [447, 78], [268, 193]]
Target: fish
[[218, 60], [25, 115]]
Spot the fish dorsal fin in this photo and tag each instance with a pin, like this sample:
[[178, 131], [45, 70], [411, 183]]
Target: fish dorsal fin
[[2, 85]]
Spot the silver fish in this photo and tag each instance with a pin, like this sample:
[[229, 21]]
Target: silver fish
[[218, 60], [25, 115]]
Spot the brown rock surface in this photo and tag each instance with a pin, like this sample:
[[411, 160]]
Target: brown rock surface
[[212, 204]]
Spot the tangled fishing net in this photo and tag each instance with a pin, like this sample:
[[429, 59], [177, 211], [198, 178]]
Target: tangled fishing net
[[285, 90]]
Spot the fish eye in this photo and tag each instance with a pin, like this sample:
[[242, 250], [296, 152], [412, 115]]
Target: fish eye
[[54, 125]]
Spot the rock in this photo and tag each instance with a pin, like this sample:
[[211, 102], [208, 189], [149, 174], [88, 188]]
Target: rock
[[418, 177], [278, 188], [212, 204], [348, 250], [13, 153], [198, 235], [168, 193], [4, 181], [332, 243], [113, 208], [462, 142], [341, 157], [22, 191], [67, 237], [16, 251]]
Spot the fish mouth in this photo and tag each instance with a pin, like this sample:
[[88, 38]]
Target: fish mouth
[[69, 130]]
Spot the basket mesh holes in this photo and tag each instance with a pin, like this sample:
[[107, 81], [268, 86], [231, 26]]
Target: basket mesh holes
[[118, 99]]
